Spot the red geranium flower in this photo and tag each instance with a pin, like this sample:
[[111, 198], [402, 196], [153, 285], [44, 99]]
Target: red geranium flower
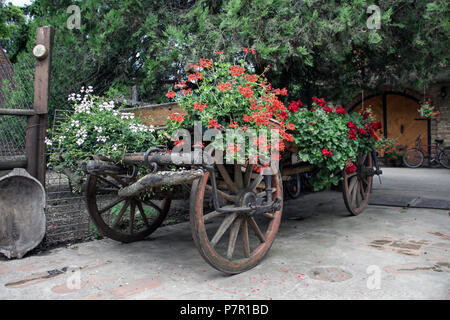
[[187, 91], [251, 77], [293, 107], [177, 117], [340, 110], [233, 124], [351, 125], [195, 76], [181, 84], [246, 91], [320, 102], [281, 92], [200, 106], [350, 168], [213, 124], [327, 152], [284, 115], [205, 63], [236, 71], [171, 94], [327, 109], [224, 86]]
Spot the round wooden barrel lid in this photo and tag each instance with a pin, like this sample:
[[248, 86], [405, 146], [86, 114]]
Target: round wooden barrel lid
[[22, 213]]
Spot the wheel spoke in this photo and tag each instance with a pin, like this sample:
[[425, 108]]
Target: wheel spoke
[[248, 174], [352, 184], [256, 182], [226, 223], [108, 182], [358, 195], [151, 204], [233, 236], [142, 212], [211, 216], [120, 215], [222, 194], [111, 205], [132, 214], [361, 189], [238, 179], [353, 194], [255, 228], [245, 240], [226, 178]]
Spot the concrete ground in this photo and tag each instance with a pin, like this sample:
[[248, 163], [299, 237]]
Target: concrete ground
[[320, 252]]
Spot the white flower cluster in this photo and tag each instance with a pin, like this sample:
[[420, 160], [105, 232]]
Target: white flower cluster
[[126, 115], [114, 147], [81, 135], [85, 103], [98, 129], [102, 138], [140, 128], [47, 141], [107, 106], [89, 89], [84, 106]]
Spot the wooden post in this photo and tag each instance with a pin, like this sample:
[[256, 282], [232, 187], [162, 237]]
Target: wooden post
[[37, 124]]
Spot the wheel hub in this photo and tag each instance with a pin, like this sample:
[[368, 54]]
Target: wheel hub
[[246, 198]]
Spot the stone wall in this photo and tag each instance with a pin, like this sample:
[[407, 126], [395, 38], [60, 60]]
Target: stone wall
[[441, 126]]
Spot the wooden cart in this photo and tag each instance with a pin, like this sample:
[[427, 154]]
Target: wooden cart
[[235, 212]]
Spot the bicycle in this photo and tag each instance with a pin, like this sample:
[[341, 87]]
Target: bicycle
[[414, 157]]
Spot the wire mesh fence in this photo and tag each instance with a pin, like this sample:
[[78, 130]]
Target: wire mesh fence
[[16, 92], [67, 216]]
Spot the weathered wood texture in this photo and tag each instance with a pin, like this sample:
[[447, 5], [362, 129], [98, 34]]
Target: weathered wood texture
[[37, 124], [11, 162], [159, 179], [157, 114], [17, 112], [22, 216]]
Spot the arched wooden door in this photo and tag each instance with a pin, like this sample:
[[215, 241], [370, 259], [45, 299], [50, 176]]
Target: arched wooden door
[[399, 117]]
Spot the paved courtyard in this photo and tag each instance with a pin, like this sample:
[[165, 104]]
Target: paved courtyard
[[320, 252]]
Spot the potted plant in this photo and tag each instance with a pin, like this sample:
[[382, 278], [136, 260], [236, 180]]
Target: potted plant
[[428, 111]]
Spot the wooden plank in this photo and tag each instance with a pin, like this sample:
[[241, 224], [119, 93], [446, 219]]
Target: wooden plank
[[11, 162], [45, 37], [294, 170], [17, 112], [31, 145], [155, 115]]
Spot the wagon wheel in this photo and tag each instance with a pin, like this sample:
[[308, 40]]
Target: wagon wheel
[[234, 242], [122, 219], [357, 185]]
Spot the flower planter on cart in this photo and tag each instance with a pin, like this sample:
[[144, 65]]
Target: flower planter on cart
[[235, 211]]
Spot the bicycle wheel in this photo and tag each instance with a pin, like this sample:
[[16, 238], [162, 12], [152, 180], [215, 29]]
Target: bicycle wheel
[[444, 158], [413, 158]]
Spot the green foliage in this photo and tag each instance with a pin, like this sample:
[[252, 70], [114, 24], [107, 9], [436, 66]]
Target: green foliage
[[97, 128], [314, 47], [324, 139], [10, 19]]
